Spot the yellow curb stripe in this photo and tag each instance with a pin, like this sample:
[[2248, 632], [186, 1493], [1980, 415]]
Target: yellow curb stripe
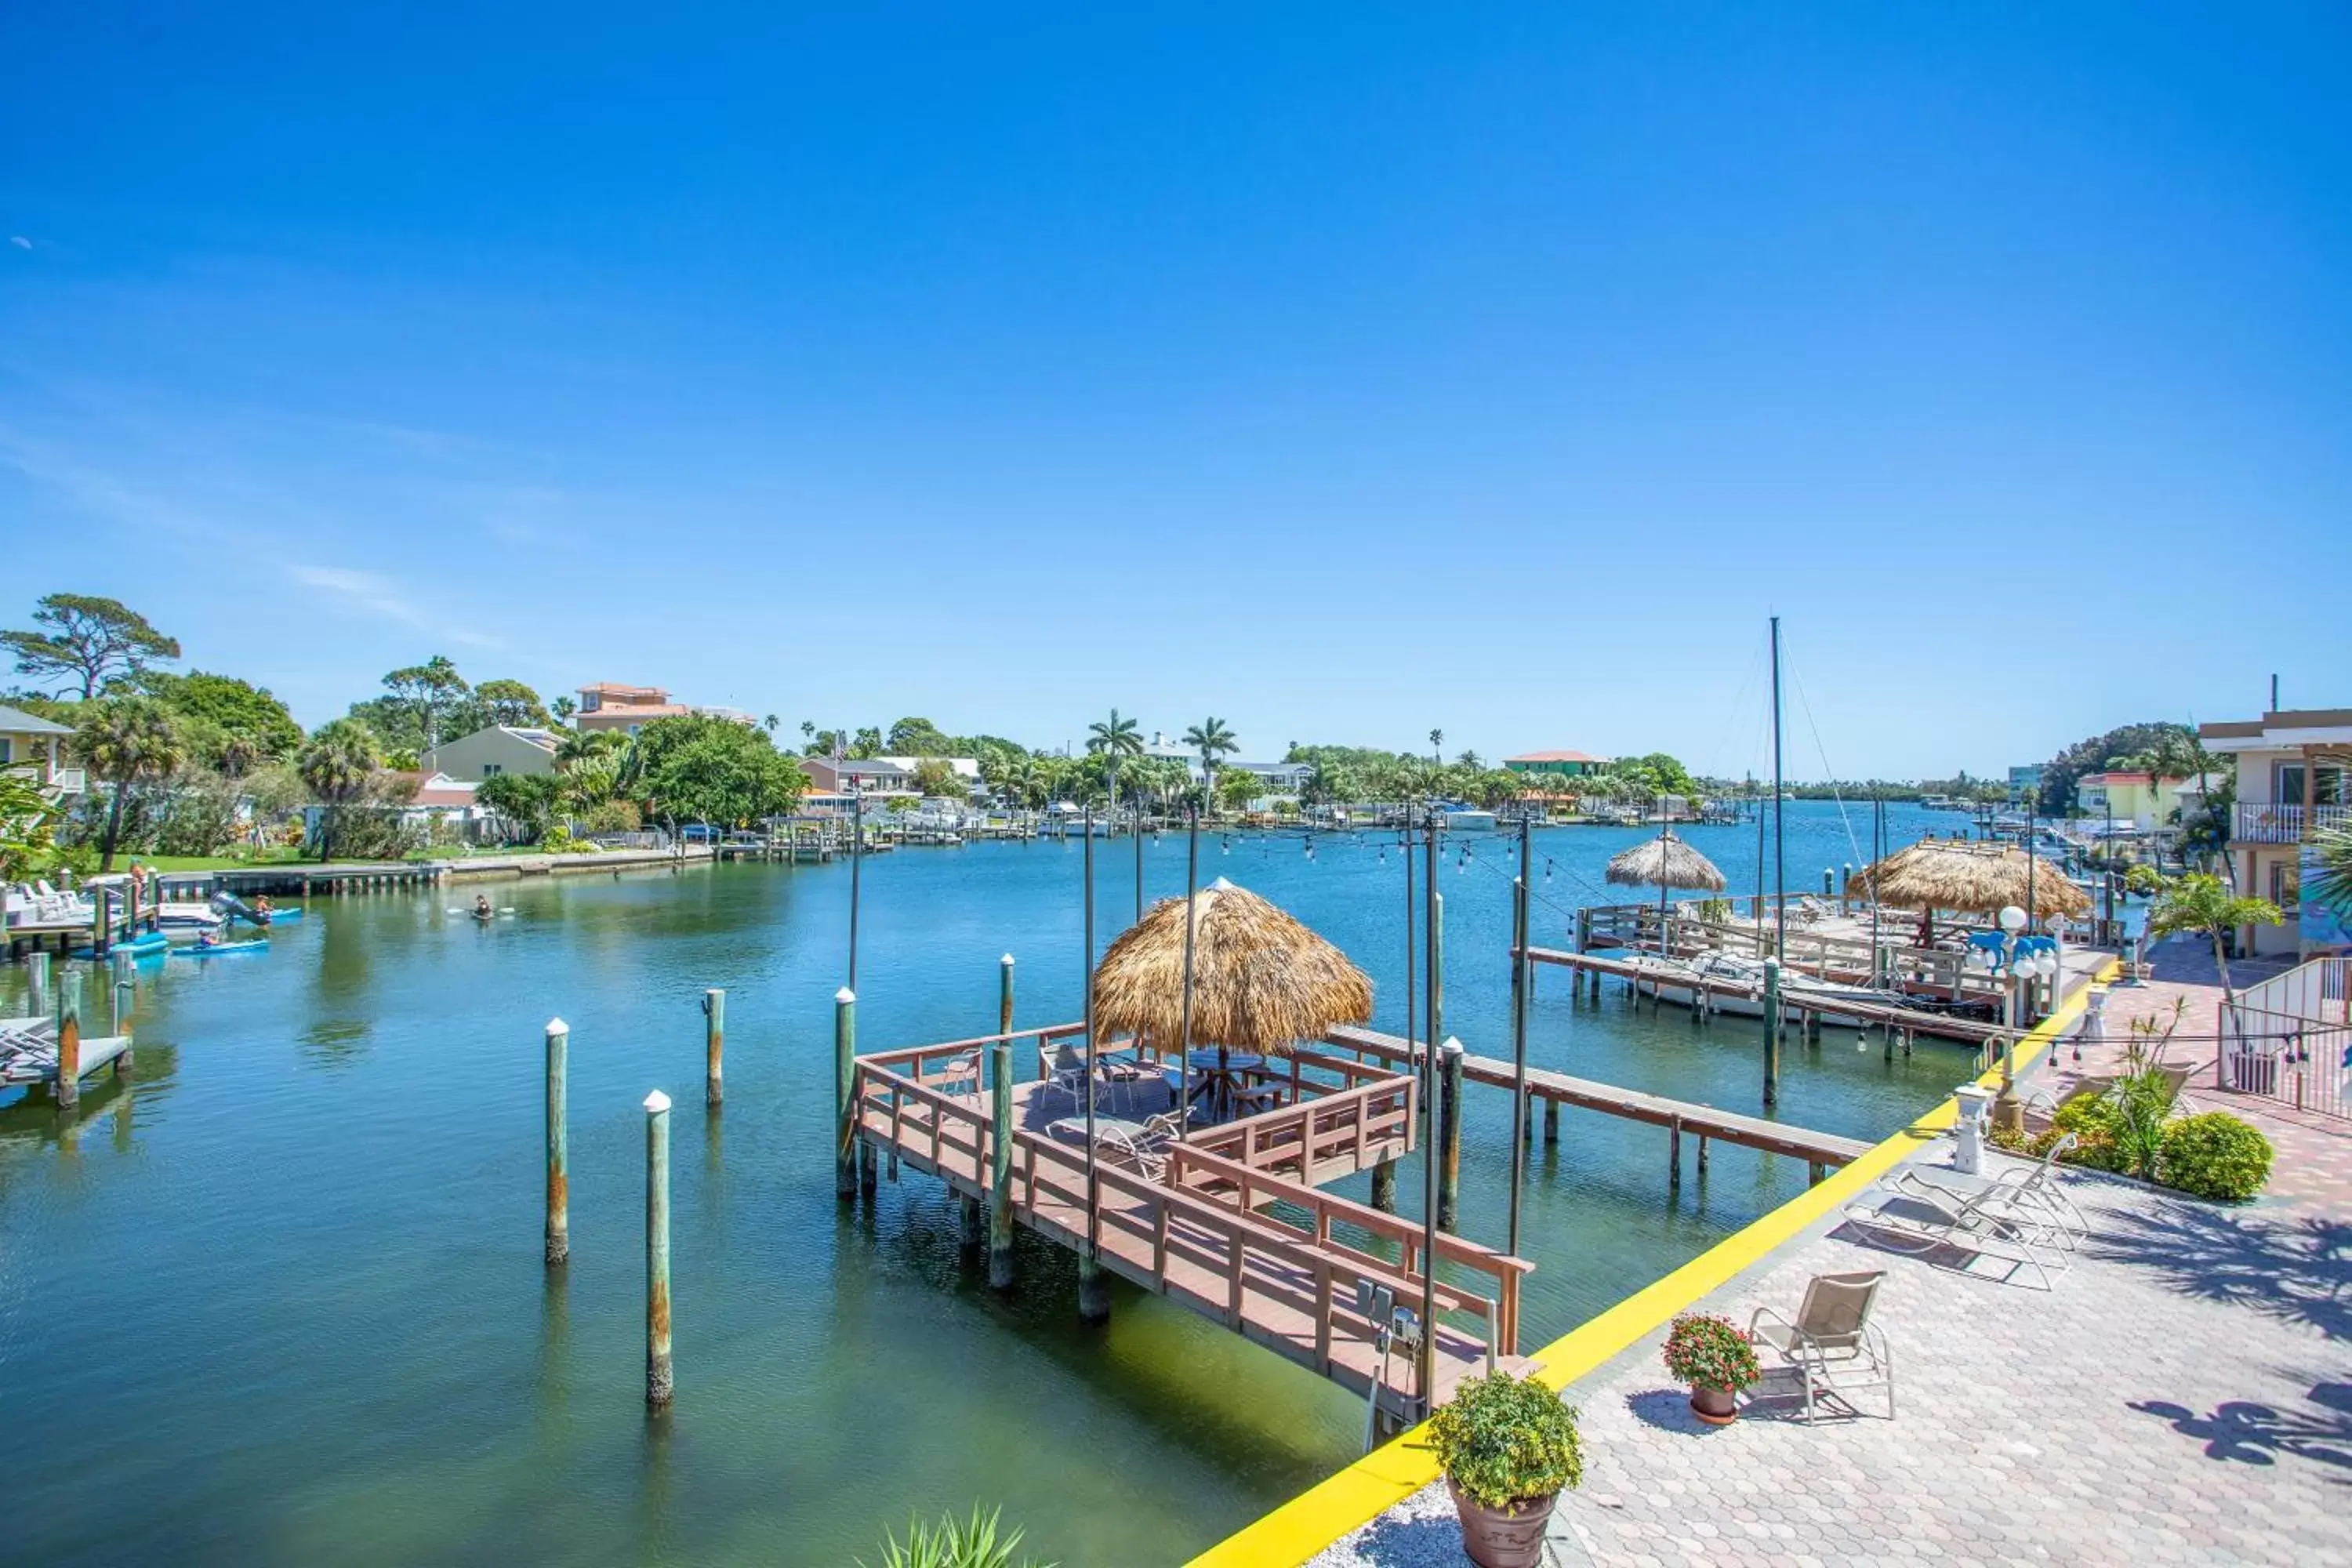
[[1310, 1522]]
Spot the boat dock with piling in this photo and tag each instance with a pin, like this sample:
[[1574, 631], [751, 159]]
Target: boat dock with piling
[[1195, 1220]]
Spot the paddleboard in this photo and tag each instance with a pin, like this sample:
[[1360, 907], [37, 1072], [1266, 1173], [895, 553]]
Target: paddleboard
[[221, 950]]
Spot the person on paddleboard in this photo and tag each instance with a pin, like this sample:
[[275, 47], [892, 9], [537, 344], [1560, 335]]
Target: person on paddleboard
[[482, 910]]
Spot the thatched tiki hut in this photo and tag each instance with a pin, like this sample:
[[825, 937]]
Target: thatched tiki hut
[[1975, 878], [1661, 863], [1261, 981]]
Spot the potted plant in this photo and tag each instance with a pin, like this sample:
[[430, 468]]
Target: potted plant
[[1716, 1360], [1509, 1448]]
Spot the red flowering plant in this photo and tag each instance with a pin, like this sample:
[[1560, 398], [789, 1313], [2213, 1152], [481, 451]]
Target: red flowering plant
[[1708, 1353]]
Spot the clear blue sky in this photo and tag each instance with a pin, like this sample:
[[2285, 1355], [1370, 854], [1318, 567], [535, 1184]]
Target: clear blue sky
[[1343, 371]]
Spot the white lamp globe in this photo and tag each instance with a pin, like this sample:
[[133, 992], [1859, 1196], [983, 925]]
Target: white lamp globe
[[2012, 920], [2045, 964]]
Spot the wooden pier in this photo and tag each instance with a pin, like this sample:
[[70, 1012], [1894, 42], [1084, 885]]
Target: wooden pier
[[29, 1050], [1820, 1151], [1229, 1222], [1807, 1013]]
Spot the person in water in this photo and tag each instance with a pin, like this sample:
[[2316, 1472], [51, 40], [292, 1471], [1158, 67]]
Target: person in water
[[262, 907], [482, 910]]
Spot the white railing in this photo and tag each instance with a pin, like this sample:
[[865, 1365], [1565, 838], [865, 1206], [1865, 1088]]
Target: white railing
[[2287, 1038], [2260, 822]]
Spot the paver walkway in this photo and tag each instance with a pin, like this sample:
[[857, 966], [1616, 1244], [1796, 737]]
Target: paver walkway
[[2183, 1396]]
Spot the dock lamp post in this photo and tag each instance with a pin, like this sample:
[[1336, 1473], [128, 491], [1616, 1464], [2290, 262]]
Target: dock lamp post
[[2019, 960]]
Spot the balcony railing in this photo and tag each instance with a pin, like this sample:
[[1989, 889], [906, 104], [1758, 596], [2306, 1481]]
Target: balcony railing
[[2262, 823]]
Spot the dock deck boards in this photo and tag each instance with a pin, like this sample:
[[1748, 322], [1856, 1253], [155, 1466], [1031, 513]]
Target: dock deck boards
[[1198, 1238]]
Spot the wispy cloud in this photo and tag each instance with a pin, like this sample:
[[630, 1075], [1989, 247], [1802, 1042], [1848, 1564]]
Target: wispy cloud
[[381, 595]]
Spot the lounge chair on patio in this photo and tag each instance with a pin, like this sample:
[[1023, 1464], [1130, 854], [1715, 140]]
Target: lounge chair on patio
[[1918, 1217], [2032, 1186], [1067, 1067], [960, 1077], [1140, 1145], [1831, 1344]]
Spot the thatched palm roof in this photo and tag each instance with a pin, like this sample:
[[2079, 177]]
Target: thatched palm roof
[[1976, 879], [1665, 861], [1260, 979]]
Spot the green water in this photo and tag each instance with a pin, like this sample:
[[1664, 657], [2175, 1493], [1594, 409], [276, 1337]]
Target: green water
[[281, 1300]]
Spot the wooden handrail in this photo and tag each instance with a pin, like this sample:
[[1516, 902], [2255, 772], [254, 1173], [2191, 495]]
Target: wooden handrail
[[953, 1047]]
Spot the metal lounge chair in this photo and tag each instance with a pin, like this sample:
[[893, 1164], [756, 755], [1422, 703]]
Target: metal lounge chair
[[1917, 1217], [960, 1078], [2033, 1186], [1068, 1068], [1831, 1343]]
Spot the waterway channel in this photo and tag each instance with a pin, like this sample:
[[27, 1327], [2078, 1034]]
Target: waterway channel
[[281, 1300]]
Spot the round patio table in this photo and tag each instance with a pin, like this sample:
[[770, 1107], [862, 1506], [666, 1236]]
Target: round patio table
[[1218, 1085]]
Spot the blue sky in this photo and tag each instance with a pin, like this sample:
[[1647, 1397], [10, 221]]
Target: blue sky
[[1342, 373]]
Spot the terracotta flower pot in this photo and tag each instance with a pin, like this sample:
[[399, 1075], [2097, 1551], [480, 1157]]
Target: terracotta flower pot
[[1503, 1537], [1716, 1406]]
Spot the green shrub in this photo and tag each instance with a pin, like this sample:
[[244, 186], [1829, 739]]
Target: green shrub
[[956, 1543], [2093, 1119], [1502, 1440], [2214, 1155]]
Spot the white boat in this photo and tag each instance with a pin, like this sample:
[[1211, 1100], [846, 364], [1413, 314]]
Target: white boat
[[1468, 821], [1657, 977]]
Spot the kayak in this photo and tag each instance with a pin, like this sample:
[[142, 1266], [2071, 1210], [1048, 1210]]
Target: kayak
[[280, 917], [222, 948]]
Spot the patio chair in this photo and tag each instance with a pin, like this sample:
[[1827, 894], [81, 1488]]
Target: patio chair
[[1831, 1343], [1917, 1217], [1067, 1067], [960, 1078], [1124, 1073], [2035, 1184]]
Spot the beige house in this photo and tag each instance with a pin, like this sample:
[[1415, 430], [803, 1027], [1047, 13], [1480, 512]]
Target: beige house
[[2294, 777], [486, 753], [30, 744]]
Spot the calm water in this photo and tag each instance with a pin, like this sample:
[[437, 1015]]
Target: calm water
[[282, 1303]]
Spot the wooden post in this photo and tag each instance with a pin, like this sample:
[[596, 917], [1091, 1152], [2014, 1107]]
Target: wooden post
[[36, 976], [1000, 1154], [1702, 1154], [659, 1383], [1384, 1178], [1674, 1153], [1771, 1031], [845, 1071], [1449, 1135], [1005, 994], [559, 1157], [714, 1045], [68, 1040], [1551, 1121]]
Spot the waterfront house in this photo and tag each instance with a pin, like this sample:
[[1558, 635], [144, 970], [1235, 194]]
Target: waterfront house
[[866, 775], [1160, 747], [486, 753], [1280, 778], [2145, 803], [36, 746], [608, 705], [2295, 778], [1556, 765]]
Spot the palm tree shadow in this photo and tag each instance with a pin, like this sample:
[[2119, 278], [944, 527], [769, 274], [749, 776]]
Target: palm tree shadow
[[2243, 1431], [2298, 1270]]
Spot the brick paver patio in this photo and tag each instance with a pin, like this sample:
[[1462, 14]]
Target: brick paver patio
[[2183, 1396]]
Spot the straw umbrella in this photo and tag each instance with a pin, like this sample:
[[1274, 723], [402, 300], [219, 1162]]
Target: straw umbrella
[[1260, 979], [1661, 863], [1969, 878]]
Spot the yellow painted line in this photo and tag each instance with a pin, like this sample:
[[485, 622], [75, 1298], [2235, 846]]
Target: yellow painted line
[[1316, 1517]]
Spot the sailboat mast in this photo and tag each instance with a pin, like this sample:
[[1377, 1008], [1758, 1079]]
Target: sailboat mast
[[1779, 862]]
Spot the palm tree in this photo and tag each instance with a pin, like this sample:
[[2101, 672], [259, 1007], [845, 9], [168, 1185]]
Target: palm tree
[[1112, 738], [2197, 903], [125, 739], [1213, 740], [771, 721], [1437, 747], [338, 764]]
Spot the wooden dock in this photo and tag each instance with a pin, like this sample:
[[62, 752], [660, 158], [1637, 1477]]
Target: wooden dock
[[1818, 1149], [1228, 1223], [28, 1052], [1794, 1004]]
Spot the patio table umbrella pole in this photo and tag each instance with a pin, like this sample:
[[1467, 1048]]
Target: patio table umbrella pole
[[1094, 1300], [1191, 934], [1427, 1381]]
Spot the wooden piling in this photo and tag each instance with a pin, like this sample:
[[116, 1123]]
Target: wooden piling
[[1384, 1184], [1771, 1031], [1000, 1154], [1702, 1154], [659, 1383], [1005, 994], [1674, 1153], [68, 1040], [558, 1156], [714, 1046], [1551, 1121], [1449, 1135], [845, 1068], [36, 975]]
